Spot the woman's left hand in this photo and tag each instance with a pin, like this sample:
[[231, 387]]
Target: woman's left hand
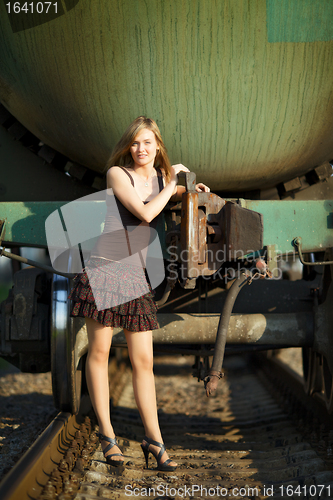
[[202, 188]]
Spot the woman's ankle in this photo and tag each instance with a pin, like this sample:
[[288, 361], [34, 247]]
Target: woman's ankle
[[107, 431]]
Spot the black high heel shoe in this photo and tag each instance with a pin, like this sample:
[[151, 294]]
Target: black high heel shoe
[[165, 465], [115, 463]]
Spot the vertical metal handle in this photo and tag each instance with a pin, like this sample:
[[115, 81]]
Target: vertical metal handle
[[190, 180]]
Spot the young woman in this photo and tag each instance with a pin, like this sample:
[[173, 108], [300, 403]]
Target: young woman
[[142, 182]]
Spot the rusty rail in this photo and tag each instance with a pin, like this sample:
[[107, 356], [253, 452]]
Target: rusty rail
[[28, 477]]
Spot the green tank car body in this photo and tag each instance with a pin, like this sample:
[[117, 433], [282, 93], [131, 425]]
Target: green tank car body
[[242, 91]]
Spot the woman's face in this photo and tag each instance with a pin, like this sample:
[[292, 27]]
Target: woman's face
[[144, 148]]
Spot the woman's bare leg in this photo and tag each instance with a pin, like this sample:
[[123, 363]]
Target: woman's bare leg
[[99, 338], [140, 348]]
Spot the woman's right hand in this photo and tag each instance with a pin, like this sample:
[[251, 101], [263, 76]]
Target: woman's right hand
[[175, 169]]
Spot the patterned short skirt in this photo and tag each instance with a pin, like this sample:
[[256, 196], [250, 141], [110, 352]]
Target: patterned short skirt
[[114, 294]]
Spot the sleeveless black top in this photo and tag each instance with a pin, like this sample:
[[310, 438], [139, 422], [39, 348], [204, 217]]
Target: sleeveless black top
[[125, 235]]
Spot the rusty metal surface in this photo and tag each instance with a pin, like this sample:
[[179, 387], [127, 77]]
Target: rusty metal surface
[[53, 467], [294, 329], [213, 232], [31, 473], [198, 249], [242, 230]]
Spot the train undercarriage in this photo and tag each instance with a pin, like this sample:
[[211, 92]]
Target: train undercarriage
[[208, 305]]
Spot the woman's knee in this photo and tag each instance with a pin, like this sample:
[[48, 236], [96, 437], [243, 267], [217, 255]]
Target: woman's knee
[[98, 354], [142, 362]]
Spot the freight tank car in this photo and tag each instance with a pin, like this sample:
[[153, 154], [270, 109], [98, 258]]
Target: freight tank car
[[242, 92]]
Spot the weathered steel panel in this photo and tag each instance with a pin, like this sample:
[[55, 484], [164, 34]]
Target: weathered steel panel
[[283, 222]]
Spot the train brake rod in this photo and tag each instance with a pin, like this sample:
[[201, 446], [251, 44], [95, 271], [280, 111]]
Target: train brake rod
[[214, 375], [13, 256]]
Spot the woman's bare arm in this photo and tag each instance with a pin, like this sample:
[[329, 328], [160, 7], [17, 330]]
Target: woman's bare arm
[[121, 185], [200, 187], [177, 196]]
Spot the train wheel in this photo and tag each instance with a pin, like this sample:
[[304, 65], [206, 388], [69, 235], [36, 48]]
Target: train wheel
[[327, 381], [66, 359], [311, 371]]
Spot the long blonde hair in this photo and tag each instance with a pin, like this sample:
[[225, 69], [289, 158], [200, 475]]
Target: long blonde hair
[[121, 154]]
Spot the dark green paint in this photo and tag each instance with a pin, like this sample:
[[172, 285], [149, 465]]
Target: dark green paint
[[299, 20], [283, 222], [240, 112], [286, 220]]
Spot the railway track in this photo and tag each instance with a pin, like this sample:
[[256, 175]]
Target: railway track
[[258, 438]]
